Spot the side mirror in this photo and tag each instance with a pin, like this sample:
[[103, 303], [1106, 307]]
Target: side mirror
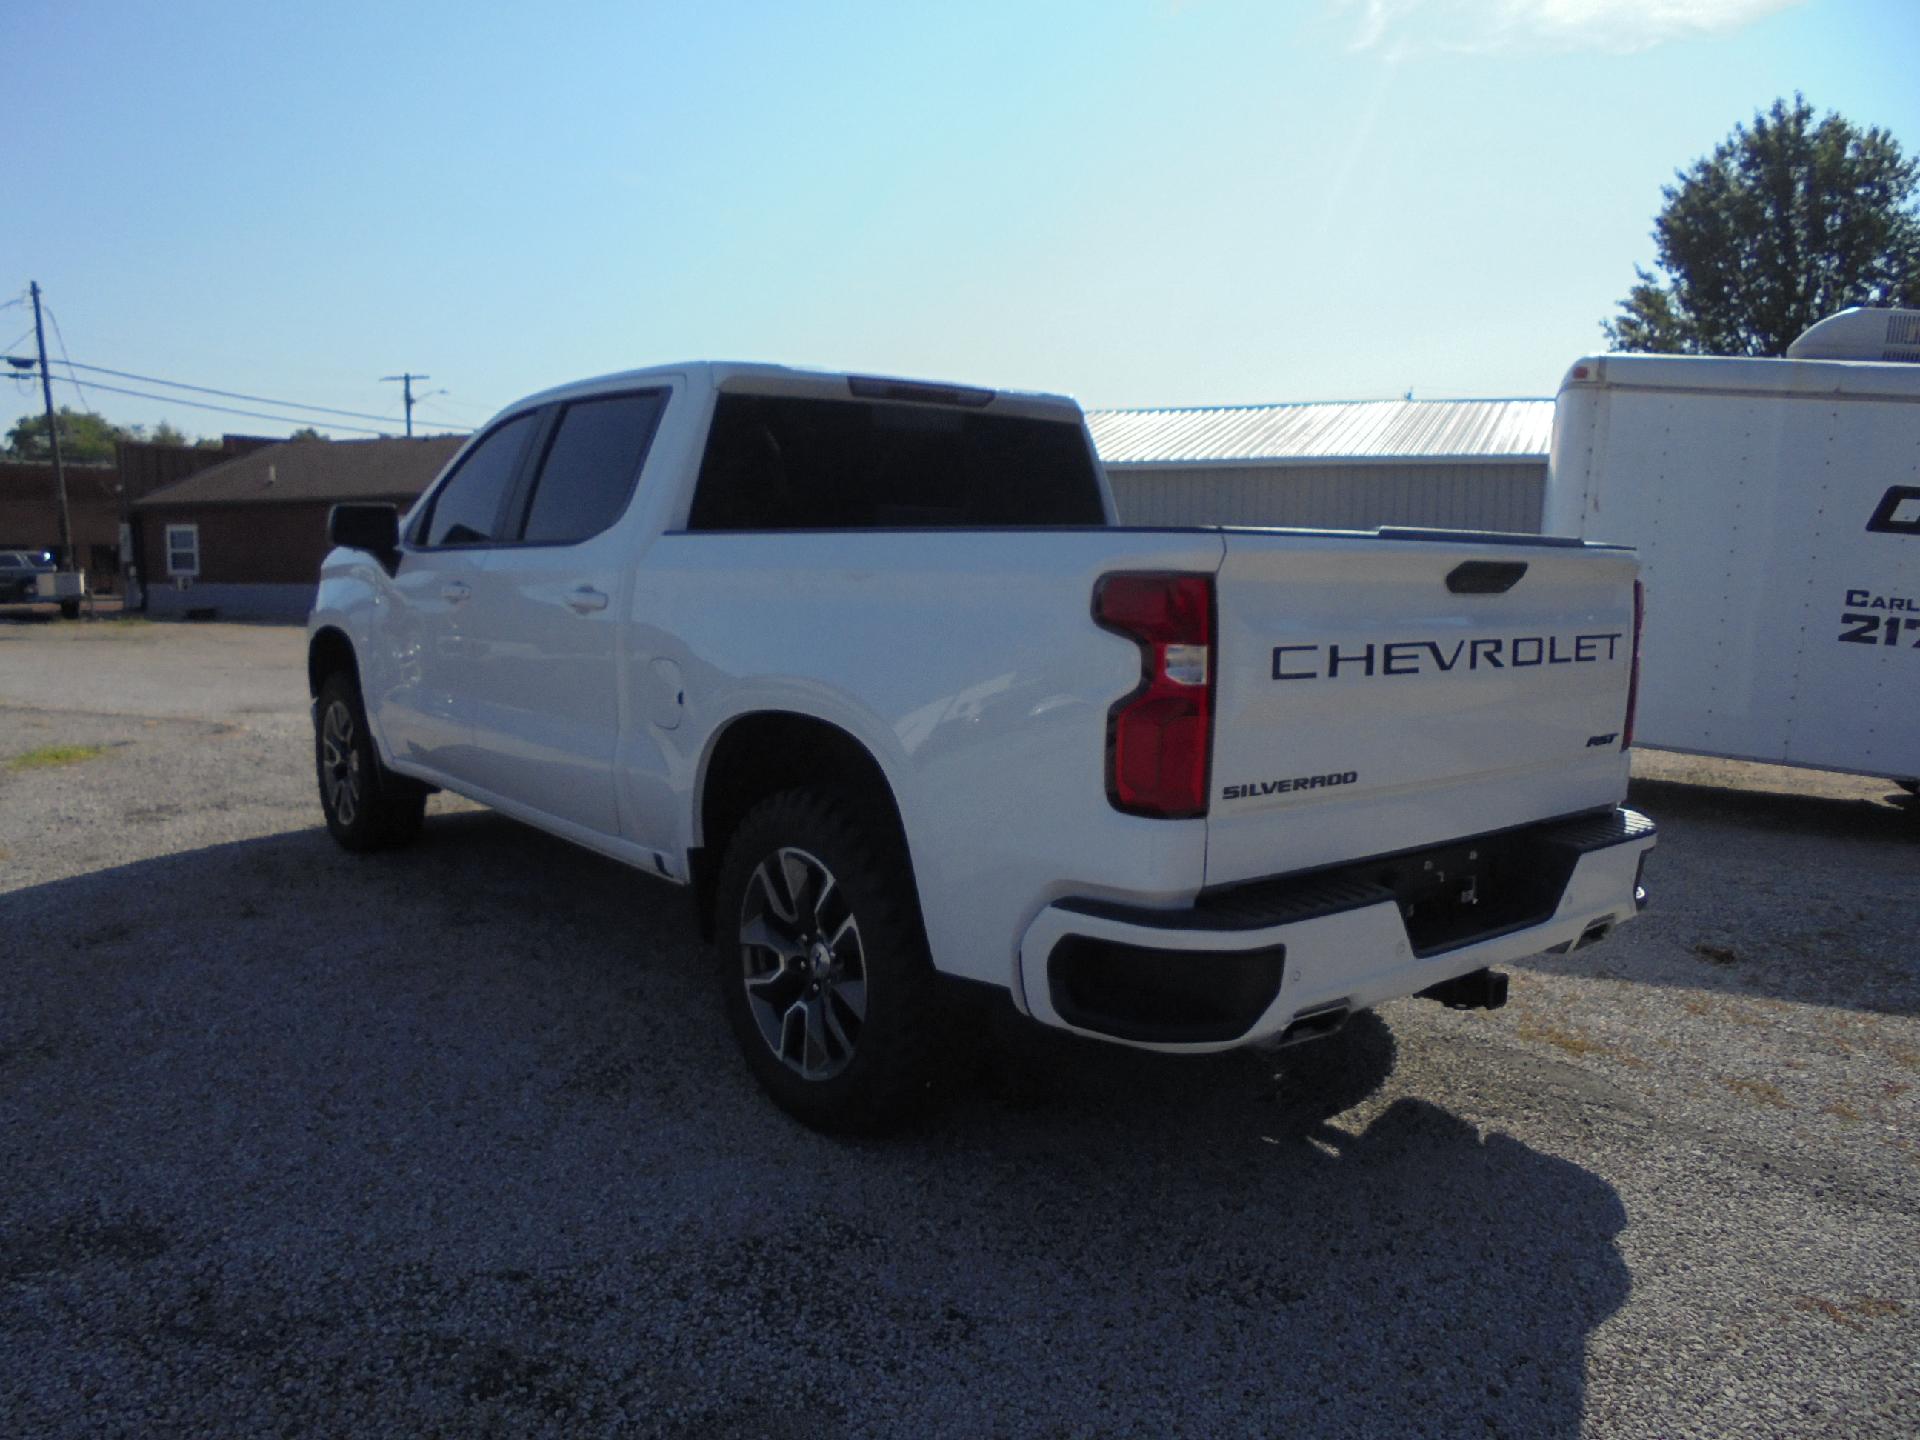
[[372, 528]]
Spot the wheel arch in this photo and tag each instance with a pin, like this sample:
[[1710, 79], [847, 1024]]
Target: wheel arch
[[762, 752], [329, 650]]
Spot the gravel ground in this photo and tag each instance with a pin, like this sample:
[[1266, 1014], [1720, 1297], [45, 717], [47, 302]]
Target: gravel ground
[[454, 1140]]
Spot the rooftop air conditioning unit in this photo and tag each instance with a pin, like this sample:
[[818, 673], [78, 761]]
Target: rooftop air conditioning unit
[[1861, 334]]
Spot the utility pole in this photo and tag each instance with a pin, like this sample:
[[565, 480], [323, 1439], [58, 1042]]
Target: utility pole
[[406, 390], [53, 435]]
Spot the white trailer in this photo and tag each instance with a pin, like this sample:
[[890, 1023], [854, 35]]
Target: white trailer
[[1776, 508]]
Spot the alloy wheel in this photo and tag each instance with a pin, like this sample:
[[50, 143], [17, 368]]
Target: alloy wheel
[[803, 964], [340, 762]]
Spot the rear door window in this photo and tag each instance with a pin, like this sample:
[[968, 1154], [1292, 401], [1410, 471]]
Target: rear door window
[[466, 511], [789, 463], [590, 468]]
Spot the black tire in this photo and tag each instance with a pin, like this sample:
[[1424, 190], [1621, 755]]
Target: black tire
[[367, 806], [845, 1064], [69, 609]]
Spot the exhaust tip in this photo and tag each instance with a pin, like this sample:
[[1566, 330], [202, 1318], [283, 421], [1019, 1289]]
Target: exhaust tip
[[1315, 1024]]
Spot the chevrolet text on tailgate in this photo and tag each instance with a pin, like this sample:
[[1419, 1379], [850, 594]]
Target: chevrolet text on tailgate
[[871, 666]]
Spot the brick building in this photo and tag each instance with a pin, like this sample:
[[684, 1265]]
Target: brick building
[[30, 513], [246, 538], [98, 497]]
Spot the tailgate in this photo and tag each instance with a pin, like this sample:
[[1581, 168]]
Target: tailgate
[[1378, 693]]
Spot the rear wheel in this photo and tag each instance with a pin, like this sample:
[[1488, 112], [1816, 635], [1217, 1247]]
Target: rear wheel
[[367, 806], [823, 962]]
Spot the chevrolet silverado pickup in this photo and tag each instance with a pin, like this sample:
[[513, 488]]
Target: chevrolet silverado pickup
[[872, 666]]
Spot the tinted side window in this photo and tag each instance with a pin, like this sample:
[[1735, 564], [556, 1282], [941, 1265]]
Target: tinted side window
[[591, 466], [781, 463], [467, 509]]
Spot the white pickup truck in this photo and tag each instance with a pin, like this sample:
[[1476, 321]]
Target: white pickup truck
[[870, 664]]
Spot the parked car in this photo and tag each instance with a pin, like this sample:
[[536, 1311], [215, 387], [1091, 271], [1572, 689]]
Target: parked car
[[870, 665], [19, 573]]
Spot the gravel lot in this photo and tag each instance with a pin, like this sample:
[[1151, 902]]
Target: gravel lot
[[454, 1140]]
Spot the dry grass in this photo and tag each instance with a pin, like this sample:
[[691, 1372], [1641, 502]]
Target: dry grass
[[1566, 1038], [1867, 1033], [50, 757], [1760, 1092], [1737, 1011], [1853, 1316], [1573, 1041]]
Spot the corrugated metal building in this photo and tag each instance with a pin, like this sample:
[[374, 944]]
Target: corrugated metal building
[[1346, 465]]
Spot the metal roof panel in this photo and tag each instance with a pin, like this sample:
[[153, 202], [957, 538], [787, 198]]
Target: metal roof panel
[[1340, 429]]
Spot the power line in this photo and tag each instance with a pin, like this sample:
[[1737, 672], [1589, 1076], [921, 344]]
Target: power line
[[447, 402], [73, 378], [85, 403], [225, 394], [295, 420], [452, 418]]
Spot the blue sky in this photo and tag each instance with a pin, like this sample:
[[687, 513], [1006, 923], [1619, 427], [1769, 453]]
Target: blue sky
[[1136, 201]]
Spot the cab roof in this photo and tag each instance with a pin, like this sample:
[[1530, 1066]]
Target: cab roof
[[745, 377]]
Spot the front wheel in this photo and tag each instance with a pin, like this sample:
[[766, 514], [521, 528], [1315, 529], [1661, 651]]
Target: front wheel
[[366, 805], [823, 961]]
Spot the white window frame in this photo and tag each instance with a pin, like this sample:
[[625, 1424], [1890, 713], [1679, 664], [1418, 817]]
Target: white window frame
[[175, 548]]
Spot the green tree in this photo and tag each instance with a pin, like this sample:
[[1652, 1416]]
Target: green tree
[[306, 432], [165, 434], [1789, 220], [84, 438]]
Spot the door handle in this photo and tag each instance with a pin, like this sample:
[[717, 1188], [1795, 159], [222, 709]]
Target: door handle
[[455, 592], [586, 600]]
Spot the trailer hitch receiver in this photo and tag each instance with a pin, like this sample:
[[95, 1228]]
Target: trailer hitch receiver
[[1476, 990]]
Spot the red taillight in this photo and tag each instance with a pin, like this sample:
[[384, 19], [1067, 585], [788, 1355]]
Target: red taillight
[[1160, 737], [1633, 678]]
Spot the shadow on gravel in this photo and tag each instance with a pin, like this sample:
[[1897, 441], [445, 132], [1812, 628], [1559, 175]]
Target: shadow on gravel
[[1895, 822], [455, 1139], [1768, 896], [1261, 1263]]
